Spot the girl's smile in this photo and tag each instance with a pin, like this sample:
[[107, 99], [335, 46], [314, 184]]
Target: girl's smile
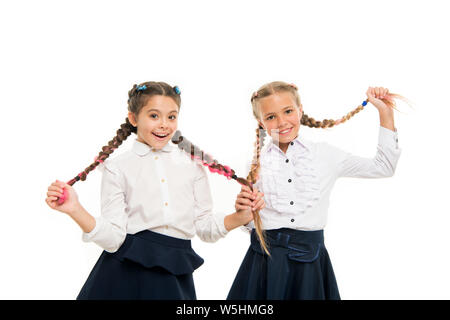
[[285, 132]]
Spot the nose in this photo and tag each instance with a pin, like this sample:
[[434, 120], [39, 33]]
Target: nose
[[281, 121], [163, 123]]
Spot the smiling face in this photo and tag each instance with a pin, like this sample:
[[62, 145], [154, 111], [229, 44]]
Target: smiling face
[[156, 122], [280, 116]]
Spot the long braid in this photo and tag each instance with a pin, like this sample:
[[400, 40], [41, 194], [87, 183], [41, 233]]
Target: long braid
[[252, 178], [205, 159], [121, 135], [328, 123]]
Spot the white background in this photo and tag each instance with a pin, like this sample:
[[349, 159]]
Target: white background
[[65, 71]]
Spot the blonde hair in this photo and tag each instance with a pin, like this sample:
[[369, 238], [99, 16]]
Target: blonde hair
[[280, 86]]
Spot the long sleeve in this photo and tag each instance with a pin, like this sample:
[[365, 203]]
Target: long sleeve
[[382, 165], [110, 228], [209, 227]]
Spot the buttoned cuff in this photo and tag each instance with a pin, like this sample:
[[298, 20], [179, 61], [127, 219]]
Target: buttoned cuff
[[88, 236], [388, 138]]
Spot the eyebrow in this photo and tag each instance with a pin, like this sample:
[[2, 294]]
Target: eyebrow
[[156, 110], [269, 113]]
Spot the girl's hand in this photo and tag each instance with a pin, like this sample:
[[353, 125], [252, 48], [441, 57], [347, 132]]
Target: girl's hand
[[378, 96], [248, 202], [55, 191]]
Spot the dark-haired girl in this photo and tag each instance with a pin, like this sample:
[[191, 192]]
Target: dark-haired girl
[[154, 199], [287, 258]]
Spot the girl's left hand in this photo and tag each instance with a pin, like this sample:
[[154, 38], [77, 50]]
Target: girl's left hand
[[378, 97]]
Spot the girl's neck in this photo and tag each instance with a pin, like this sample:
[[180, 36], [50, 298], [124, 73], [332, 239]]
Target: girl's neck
[[283, 146]]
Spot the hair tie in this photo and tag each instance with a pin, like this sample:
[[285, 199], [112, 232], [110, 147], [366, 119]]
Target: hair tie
[[141, 88], [177, 90], [293, 86], [255, 94]]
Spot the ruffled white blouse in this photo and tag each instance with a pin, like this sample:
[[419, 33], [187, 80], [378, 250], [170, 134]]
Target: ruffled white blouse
[[297, 184]]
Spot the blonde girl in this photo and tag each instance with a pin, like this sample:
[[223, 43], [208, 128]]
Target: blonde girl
[[287, 257]]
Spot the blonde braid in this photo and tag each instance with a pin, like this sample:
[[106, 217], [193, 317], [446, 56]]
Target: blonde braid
[[252, 178], [328, 123]]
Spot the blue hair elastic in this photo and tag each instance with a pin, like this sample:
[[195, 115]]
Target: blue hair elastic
[[141, 88], [364, 103], [177, 90]]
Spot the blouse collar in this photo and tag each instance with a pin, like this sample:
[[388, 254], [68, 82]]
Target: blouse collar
[[142, 149], [298, 143]]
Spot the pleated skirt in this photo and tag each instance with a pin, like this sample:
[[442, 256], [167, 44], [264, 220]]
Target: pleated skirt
[[148, 265], [298, 268]]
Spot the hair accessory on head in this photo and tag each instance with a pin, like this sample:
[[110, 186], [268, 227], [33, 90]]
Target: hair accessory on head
[[255, 94], [141, 88], [177, 90], [293, 86]]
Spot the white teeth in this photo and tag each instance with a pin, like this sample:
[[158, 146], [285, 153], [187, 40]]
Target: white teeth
[[160, 135], [284, 131]]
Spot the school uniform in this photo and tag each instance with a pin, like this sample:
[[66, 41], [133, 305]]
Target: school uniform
[[297, 186], [152, 203]]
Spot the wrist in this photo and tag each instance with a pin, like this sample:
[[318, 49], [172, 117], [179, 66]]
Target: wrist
[[387, 120], [83, 218], [76, 210], [234, 220]]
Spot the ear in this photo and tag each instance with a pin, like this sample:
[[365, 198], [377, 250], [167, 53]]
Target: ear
[[132, 118]]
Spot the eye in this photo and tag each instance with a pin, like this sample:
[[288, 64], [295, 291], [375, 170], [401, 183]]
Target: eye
[[289, 111], [270, 117], [172, 117], [153, 115]]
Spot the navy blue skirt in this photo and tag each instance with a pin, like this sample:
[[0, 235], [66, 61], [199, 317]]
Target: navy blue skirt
[[148, 265], [298, 268]]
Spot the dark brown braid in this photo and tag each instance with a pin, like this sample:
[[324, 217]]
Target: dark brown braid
[[137, 98], [121, 135], [214, 166], [205, 159]]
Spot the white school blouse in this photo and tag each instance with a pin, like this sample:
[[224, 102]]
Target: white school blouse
[[297, 184], [159, 190]]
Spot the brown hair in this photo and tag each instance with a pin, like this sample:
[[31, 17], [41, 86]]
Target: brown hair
[[280, 86], [137, 98]]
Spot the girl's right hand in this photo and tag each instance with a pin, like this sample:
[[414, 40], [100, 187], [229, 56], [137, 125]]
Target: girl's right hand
[[55, 191]]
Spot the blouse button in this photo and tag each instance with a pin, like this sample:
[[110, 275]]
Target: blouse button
[[166, 204], [162, 180], [290, 180], [287, 160], [292, 143], [292, 220], [156, 158], [292, 202]]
